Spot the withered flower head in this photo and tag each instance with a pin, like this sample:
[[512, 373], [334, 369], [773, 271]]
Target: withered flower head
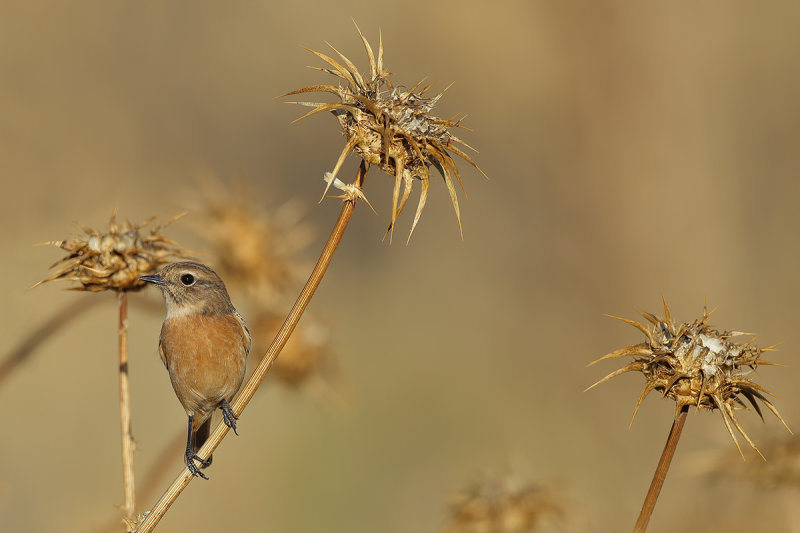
[[254, 248], [507, 504], [390, 126], [306, 354], [696, 365], [115, 260]]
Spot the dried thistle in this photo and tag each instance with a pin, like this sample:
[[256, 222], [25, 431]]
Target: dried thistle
[[307, 353], [255, 249], [503, 504], [696, 365], [389, 126], [114, 260]]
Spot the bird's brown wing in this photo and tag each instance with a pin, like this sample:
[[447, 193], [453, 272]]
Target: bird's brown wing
[[246, 340], [161, 350]]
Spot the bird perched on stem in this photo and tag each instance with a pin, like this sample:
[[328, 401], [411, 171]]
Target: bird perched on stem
[[204, 344]]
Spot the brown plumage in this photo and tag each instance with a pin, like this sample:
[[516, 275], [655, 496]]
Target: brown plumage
[[204, 345]]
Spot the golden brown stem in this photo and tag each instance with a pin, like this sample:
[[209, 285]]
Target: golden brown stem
[[661, 471], [128, 486], [249, 389]]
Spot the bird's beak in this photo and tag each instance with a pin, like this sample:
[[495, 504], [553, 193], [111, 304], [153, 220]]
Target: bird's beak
[[155, 280]]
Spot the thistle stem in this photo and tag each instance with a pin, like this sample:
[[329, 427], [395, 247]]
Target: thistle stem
[[249, 388], [661, 471], [128, 485]]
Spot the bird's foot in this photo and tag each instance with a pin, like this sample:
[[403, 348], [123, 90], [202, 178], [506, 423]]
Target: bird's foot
[[191, 457], [228, 416]]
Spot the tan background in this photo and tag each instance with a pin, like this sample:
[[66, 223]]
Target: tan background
[[633, 150]]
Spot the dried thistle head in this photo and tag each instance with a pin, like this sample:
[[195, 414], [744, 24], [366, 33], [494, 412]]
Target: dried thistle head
[[695, 364], [504, 504], [255, 249], [115, 259], [306, 354], [390, 126]]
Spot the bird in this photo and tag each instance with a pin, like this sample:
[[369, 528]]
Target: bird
[[204, 344]]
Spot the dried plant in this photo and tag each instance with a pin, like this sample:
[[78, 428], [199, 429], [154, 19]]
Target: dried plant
[[693, 364], [255, 249], [115, 260], [307, 354], [504, 504], [391, 127], [696, 365]]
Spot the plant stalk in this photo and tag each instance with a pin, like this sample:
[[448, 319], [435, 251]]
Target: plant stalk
[[661, 471], [249, 388], [128, 485]]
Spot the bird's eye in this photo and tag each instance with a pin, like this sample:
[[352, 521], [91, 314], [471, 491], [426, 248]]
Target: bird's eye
[[187, 279]]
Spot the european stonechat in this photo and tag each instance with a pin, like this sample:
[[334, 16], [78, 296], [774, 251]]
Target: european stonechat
[[204, 344]]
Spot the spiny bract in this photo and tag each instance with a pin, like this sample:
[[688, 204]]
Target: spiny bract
[[696, 365], [115, 260], [389, 126]]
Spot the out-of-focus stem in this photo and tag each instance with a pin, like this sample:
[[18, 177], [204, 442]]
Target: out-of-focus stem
[[43, 332]]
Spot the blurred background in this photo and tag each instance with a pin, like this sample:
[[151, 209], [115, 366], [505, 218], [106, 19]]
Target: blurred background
[[633, 150]]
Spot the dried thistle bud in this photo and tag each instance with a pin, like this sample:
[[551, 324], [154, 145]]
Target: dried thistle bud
[[391, 127], [696, 365], [306, 354], [115, 260], [507, 504], [254, 248]]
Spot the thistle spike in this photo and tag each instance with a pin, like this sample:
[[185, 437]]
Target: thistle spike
[[695, 364]]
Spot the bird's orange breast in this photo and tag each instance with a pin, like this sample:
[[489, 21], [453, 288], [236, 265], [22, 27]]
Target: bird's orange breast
[[205, 356]]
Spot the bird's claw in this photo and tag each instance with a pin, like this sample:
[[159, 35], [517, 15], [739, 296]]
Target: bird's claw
[[191, 457], [228, 416]]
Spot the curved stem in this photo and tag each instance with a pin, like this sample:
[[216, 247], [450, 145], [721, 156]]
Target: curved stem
[[128, 485], [661, 471], [249, 389]]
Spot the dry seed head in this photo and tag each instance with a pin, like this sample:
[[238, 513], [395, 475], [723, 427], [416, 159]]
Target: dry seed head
[[255, 249], [115, 260], [306, 354], [696, 365], [391, 127], [504, 504]]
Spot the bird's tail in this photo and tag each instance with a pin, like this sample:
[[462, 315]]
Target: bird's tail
[[200, 436]]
